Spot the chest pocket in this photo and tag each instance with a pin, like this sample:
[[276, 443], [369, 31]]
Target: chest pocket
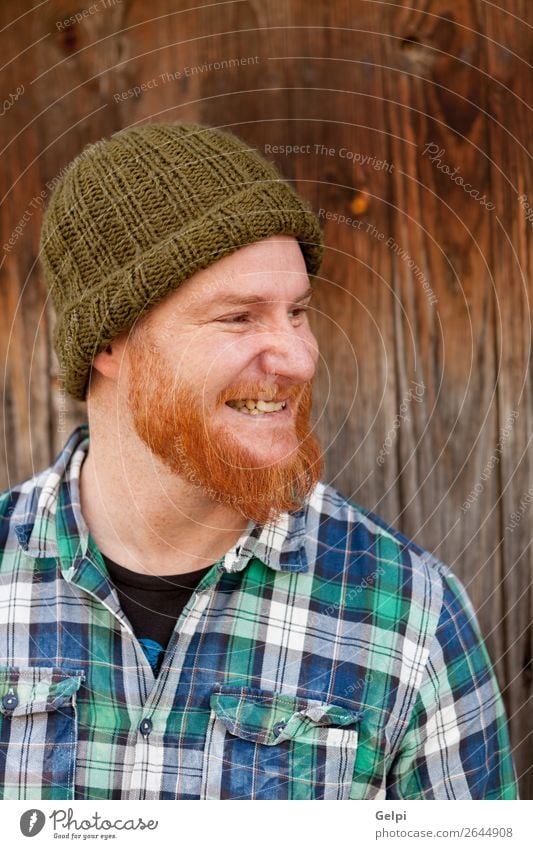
[[38, 732], [265, 745]]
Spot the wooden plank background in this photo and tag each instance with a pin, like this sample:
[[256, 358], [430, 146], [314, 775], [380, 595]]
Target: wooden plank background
[[423, 397]]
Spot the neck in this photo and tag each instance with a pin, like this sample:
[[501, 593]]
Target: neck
[[142, 515]]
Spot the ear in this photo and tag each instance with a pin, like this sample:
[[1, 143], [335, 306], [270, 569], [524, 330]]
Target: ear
[[107, 362]]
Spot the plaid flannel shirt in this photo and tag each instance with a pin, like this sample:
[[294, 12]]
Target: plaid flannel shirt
[[325, 656]]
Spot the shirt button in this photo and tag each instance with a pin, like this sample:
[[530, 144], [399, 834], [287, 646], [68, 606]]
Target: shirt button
[[10, 701], [146, 727], [279, 726]]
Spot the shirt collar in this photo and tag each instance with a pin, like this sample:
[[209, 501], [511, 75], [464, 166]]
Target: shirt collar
[[49, 523]]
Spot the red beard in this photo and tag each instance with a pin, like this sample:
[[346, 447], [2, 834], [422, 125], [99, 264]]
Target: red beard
[[170, 420]]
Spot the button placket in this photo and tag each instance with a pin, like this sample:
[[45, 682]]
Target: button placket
[[188, 624]]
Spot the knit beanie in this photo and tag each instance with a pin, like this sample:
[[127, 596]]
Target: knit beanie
[[136, 214]]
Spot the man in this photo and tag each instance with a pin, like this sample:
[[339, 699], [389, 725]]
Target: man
[[188, 612]]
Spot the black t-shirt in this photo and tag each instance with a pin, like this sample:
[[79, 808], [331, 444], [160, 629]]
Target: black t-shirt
[[152, 604]]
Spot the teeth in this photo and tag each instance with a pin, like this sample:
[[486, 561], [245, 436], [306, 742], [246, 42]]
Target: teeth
[[270, 406], [254, 408]]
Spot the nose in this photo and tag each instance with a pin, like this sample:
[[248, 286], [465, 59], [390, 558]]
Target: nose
[[289, 354]]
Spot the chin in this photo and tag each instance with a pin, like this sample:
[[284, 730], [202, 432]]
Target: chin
[[280, 457]]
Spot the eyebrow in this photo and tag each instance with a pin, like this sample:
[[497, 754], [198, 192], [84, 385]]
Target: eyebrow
[[242, 300]]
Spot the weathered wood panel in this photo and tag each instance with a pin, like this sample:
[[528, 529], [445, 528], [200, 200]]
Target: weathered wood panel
[[507, 63], [423, 397]]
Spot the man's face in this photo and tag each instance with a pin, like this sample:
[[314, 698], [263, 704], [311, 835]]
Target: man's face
[[233, 336]]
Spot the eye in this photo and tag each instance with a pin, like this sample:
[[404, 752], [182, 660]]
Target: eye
[[300, 310], [234, 319], [241, 318]]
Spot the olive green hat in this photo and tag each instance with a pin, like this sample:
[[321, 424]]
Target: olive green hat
[[137, 214]]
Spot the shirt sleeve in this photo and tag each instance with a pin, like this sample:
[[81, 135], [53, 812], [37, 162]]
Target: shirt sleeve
[[456, 745]]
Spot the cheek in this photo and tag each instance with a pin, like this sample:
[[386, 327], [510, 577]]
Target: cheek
[[212, 364]]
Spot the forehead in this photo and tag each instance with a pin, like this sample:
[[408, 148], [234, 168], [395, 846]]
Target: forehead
[[270, 270]]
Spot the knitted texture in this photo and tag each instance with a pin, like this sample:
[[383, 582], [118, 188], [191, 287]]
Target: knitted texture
[[137, 214]]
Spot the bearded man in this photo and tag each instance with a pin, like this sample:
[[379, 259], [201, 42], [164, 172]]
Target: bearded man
[[188, 611]]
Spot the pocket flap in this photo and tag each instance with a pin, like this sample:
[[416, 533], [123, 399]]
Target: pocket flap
[[36, 689], [269, 717]]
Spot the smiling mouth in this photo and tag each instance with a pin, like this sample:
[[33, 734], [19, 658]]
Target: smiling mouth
[[259, 407]]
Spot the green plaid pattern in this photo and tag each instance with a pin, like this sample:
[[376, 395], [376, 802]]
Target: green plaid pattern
[[325, 656]]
